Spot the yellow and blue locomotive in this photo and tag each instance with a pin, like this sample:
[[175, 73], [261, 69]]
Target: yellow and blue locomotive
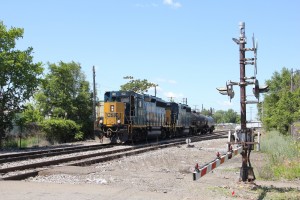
[[128, 116]]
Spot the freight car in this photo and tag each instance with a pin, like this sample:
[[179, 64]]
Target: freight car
[[128, 116]]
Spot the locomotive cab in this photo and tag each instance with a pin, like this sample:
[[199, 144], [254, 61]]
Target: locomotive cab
[[111, 124], [123, 116]]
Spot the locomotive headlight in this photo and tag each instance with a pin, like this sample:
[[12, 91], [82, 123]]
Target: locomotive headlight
[[119, 121]]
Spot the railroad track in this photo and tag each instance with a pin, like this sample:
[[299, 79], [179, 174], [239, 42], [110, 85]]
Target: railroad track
[[50, 152], [24, 171]]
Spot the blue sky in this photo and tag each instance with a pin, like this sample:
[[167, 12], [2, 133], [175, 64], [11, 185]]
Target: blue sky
[[184, 46]]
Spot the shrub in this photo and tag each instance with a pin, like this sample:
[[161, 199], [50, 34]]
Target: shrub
[[279, 147], [283, 156], [61, 130], [10, 143]]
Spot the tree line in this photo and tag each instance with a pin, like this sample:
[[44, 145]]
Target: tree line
[[281, 105], [28, 96]]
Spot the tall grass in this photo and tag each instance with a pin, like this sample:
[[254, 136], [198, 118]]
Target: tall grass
[[25, 142], [283, 154]]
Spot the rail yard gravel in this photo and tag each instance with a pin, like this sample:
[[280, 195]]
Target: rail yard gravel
[[161, 174]]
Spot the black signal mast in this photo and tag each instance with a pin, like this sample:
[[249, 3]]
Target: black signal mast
[[245, 135]]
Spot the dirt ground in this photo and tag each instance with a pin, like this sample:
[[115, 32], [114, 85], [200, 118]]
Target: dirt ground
[[161, 174]]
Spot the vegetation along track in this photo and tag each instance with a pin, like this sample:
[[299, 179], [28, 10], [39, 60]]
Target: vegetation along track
[[12, 171]]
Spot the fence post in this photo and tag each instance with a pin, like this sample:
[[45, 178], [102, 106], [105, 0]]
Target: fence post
[[229, 137], [258, 141]]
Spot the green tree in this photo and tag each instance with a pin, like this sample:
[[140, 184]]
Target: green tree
[[66, 94], [207, 112], [230, 116], [31, 114], [218, 116], [19, 76], [281, 106], [29, 120], [137, 85]]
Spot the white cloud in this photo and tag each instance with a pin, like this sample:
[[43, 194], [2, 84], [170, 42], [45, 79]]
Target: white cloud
[[172, 3]]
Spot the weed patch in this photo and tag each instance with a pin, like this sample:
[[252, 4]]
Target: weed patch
[[283, 157]]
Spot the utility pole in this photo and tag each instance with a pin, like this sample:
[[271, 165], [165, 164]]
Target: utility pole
[[94, 98], [155, 85], [195, 108], [292, 78], [251, 114], [1, 115]]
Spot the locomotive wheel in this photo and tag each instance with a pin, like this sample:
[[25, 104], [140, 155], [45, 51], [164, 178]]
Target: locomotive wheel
[[145, 134], [122, 138], [171, 134], [115, 140], [168, 135], [163, 134], [139, 135], [136, 136], [177, 133], [199, 132]]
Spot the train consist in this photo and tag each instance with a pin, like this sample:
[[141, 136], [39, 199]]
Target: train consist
[[128, 116]]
